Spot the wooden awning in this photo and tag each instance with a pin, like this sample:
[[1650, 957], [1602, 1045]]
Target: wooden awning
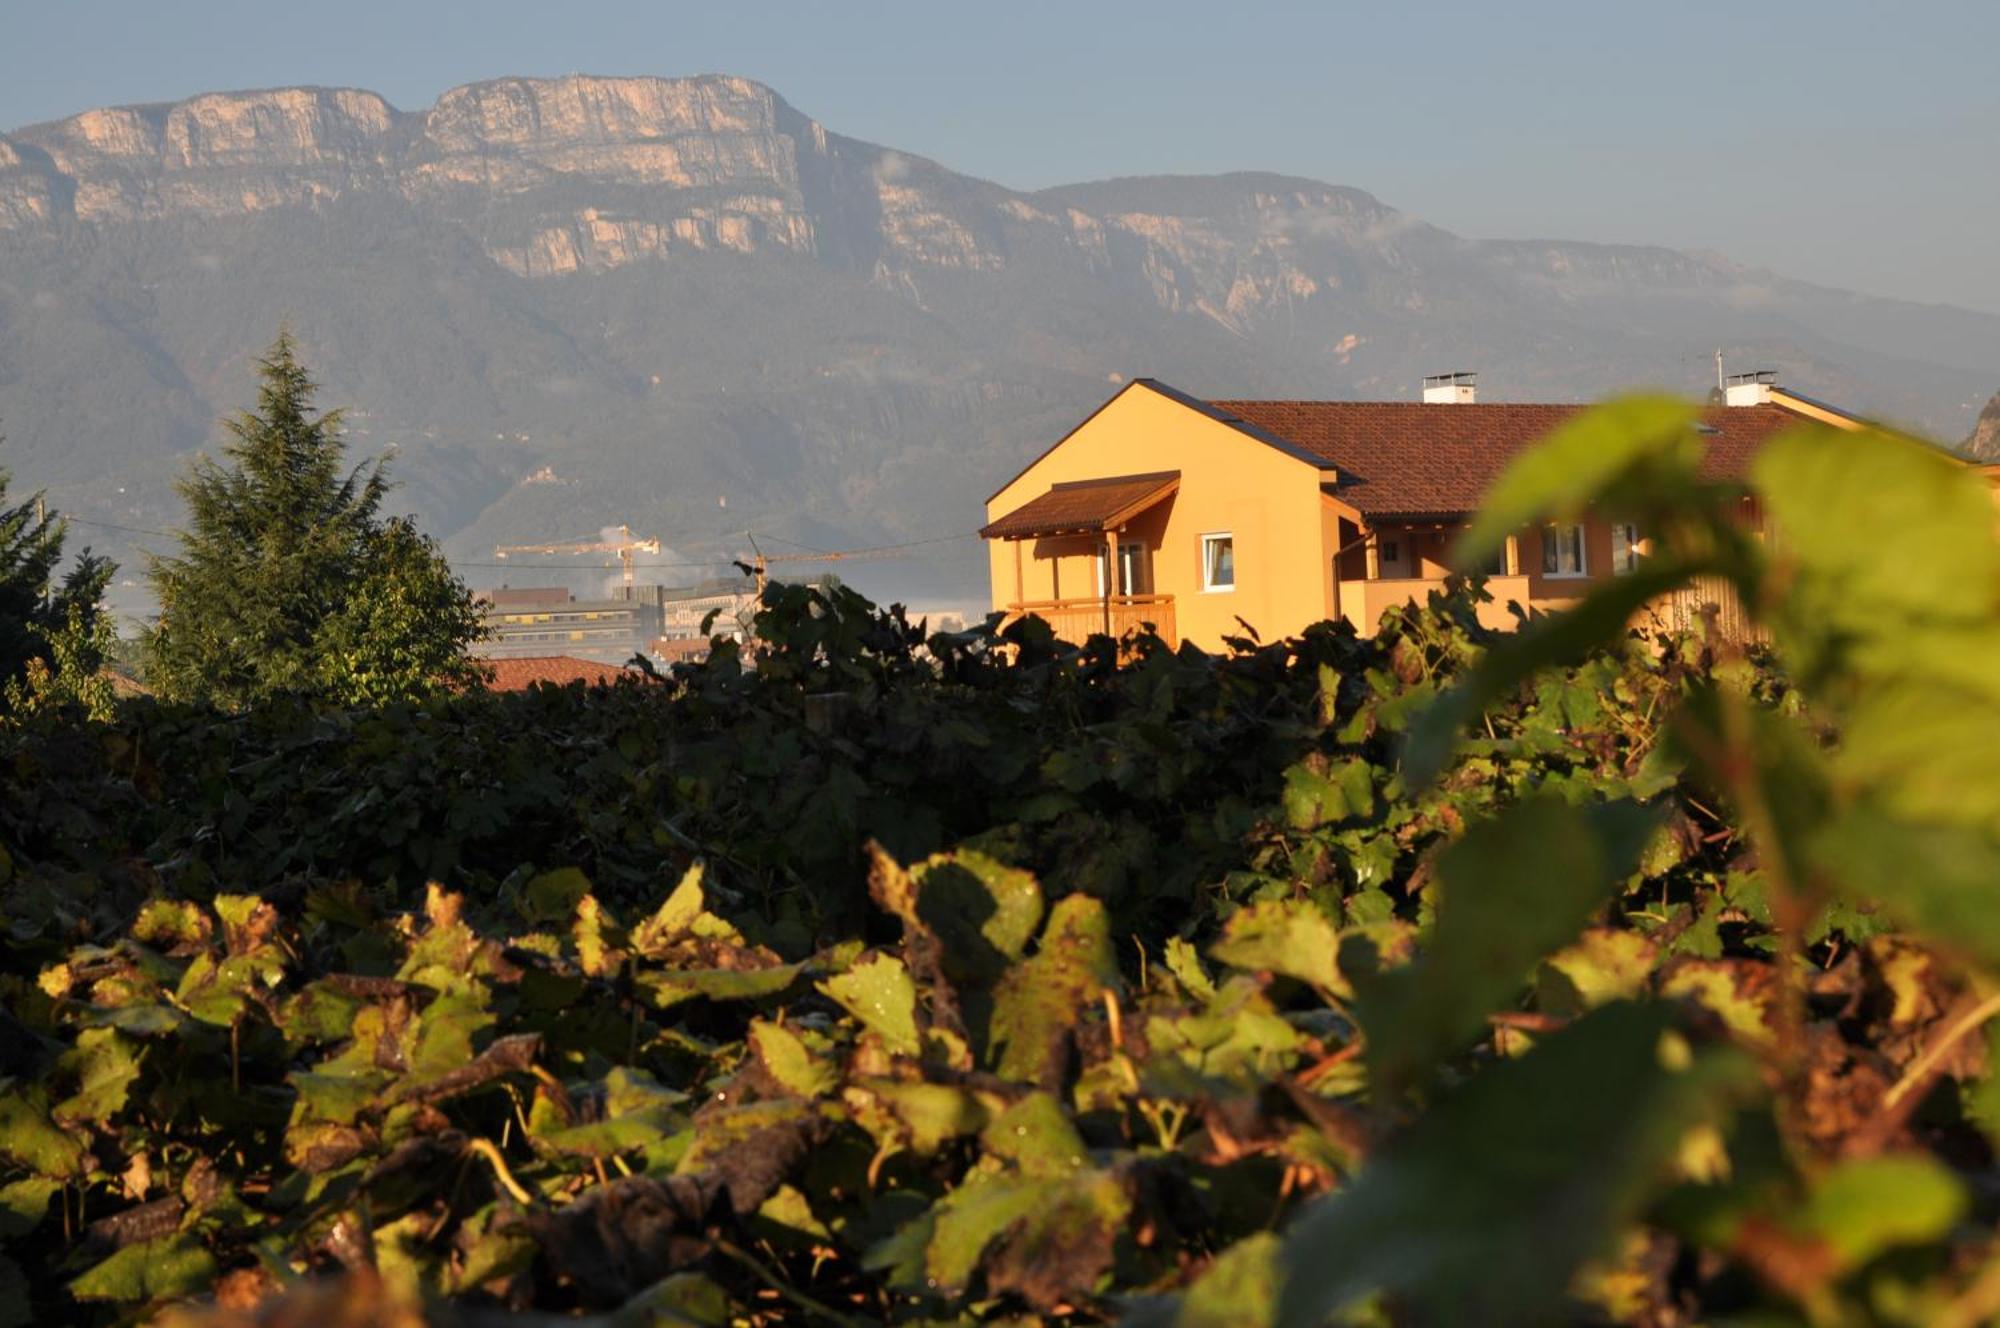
[[1085, 506]]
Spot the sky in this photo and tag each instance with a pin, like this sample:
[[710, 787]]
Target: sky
[[1852, 144]]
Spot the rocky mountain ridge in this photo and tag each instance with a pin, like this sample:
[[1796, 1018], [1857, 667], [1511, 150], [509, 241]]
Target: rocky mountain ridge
[[685, 304], [1984, 440]]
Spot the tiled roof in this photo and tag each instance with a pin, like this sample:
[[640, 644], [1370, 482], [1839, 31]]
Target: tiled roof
[[1084, 505], [123, 684], [518, 675], [1400, 458]]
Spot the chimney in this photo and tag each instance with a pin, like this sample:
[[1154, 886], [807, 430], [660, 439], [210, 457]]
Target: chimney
[[1749, 389], [1451, 389]]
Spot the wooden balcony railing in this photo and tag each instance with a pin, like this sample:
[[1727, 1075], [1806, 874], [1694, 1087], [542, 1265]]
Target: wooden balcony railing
[[1684, 609], [1079, 619]]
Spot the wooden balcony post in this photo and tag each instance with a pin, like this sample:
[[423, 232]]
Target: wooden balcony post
[[1110, 575], [1372, 554], [1513, 556], [1020, 592]]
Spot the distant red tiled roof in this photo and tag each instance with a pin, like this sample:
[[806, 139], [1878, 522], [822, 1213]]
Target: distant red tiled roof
[[518, 675], [1398, 458], [1084, 505]]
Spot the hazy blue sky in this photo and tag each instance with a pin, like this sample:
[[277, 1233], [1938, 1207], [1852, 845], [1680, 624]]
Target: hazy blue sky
[[1856, 144]]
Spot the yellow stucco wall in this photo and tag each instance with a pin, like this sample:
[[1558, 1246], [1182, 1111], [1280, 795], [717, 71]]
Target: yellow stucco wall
[[1269, 501]]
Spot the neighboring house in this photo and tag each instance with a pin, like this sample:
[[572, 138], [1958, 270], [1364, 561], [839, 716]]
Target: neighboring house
[[1202, 516], [521, 673]]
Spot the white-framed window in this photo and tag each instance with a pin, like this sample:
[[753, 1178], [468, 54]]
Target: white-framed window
[[1135, 570], [1625, 551], [1218, 561], [1562, 550]]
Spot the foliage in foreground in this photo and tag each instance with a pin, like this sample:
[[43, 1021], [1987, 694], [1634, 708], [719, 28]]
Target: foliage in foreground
[[290, 580], [52, 637], [1436, 978]]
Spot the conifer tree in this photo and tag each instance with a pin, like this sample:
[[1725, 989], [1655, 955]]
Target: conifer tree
[[35, 612], [290, 580]]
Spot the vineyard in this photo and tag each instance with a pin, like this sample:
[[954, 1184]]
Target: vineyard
[[1437, 977]]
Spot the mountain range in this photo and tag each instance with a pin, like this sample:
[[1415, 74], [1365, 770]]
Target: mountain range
[[685, 306]]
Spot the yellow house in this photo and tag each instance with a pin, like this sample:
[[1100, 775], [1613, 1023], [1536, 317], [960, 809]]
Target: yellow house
[[1203, 516]]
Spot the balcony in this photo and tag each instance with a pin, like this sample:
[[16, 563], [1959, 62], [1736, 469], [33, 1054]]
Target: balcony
[[1079, 619], [1707, 605]]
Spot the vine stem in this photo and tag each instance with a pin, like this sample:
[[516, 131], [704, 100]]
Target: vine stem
[[1922, 1068], [799, 1298], [1736, 763], [485, 1149]]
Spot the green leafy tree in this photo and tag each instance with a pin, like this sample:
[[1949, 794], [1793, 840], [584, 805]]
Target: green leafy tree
[[34, 610], [73, 674], [289, 578]]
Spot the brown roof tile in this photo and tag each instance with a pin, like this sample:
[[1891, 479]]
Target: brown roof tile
[[1084, 505], [1399, 458], [518, 675]]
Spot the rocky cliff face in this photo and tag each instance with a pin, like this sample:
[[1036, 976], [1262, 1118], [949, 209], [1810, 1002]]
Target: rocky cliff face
[[227, 154], [1984, 442], [685, 305], [214, 155], [581, 174]]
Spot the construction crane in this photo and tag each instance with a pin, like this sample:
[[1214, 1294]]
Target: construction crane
[[764, 560], [626, 546]]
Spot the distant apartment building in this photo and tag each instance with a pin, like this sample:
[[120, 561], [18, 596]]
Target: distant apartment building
[[536, 621], [723, 607], [662, 621], [683, 609]]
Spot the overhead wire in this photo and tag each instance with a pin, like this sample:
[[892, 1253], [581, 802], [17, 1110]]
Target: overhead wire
[[724, 560], [106, 525]]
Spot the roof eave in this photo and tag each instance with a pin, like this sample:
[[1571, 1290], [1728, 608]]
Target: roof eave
[[1169, 485], [1181, 398]]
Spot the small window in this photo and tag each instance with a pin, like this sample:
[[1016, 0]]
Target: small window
[[1562, 550], [1494, 564], [1391, 551], [1218, 562], [1625, 551]]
